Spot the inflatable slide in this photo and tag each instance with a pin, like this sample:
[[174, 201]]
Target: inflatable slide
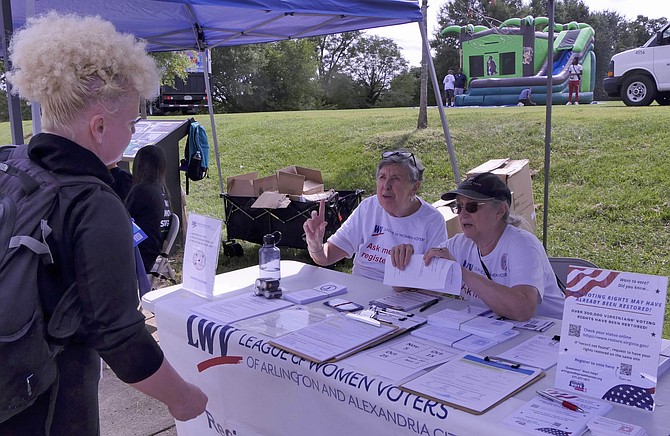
[[500, 62]]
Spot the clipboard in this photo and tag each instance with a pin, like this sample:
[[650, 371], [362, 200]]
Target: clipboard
[[335, 338], [472, 383]]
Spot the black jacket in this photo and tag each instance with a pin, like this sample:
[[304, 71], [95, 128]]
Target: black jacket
[[92, 246]]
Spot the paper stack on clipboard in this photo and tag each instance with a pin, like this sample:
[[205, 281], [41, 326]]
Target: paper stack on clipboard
[[473, 383]]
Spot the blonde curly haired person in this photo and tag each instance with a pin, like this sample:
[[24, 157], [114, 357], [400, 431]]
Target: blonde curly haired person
[[89, 79]]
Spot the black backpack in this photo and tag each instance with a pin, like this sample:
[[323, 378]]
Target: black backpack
[[28, 194], [196, 153]]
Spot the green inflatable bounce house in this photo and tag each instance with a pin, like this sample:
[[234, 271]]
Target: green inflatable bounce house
[[501, 61]]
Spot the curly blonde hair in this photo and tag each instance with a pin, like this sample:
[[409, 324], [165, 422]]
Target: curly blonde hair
[[68, 63]]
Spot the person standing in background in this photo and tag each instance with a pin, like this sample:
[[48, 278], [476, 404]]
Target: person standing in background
[[460, 82], [449, 83], [574, 81], [149, 202]]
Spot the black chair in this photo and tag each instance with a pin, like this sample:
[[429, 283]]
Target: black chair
[[162, 269], [560, 266]]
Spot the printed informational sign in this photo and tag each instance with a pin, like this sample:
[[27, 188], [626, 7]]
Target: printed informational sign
[[201, 254], [611, 335]]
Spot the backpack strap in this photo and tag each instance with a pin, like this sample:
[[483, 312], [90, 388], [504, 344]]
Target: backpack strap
[[38, 247]]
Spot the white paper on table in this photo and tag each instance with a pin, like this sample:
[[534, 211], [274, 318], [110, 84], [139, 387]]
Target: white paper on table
[[540, 351], [243, 306], [476, 344], [441, 275], [402, 357], [541, 416], [601, 425], [443, 335], [281, 322], [201, 254]]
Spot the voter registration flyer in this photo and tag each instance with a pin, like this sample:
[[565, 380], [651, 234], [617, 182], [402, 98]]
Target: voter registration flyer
[[611, 335]]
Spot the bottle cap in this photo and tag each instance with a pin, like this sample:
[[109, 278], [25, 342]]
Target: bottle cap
[[269, 239]]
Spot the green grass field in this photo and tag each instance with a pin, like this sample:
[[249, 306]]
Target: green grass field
[[609, 198]]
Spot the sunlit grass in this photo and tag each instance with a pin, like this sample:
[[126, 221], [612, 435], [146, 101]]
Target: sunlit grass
[[609, 187]]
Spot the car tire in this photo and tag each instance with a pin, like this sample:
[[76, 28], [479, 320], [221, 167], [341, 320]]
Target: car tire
[[663, 99], [638, 90]]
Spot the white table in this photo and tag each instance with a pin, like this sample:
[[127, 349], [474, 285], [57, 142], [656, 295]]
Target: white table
[[272, 392]]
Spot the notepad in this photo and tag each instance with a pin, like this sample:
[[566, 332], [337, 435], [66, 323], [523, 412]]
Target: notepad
[[471, 383]]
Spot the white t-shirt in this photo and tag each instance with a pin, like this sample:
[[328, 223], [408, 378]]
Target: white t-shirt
[[370, 232], [517, 259], [449, 81], [575, 72]]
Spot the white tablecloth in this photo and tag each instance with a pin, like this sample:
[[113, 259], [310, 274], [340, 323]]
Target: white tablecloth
[[254, 388]]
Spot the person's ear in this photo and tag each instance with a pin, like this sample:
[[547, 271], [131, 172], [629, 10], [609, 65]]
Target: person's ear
[[416, 187], [97, 127]]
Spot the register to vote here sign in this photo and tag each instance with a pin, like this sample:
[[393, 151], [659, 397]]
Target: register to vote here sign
[[611, 335]]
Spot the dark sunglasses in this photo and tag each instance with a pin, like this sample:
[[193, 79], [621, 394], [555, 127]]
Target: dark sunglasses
[[402, 154], [470, 207]]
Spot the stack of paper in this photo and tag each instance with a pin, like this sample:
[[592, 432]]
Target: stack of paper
[[406, 300], [477, 325], [601, 426], [460, 339], [441, 275], [316, 293], [541, 416]]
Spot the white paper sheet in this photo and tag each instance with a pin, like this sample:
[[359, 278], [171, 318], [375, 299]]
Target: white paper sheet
[[539, 351], [402, 357], [201, 254], [244, 306], [441, 275]]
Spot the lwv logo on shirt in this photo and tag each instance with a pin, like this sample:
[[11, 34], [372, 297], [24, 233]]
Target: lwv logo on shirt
[[379, 230]]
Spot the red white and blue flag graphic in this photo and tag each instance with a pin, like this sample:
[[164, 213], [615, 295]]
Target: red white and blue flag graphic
[[582, 280]]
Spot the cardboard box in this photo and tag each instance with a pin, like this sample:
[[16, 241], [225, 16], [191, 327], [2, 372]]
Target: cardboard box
[[242, 185], [450, 218], [296, 180], [291, 180], [516, 175]]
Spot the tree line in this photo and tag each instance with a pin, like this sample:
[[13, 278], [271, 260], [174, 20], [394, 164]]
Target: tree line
[[355, 70]]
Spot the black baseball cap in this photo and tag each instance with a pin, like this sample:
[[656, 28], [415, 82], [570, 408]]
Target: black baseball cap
[[484, 186]]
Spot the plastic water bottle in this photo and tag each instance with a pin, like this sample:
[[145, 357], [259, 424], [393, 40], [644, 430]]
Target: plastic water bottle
[[269, 257]]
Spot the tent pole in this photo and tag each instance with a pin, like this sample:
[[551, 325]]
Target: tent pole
[[547, 131], [13, 102], [440, 108], [210, 108]]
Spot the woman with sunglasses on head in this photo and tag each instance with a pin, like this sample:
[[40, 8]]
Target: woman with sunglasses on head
[[504, 267], [385, 227]]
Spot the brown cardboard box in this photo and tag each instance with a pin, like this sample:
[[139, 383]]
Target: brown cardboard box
[[450, 218], [516, 175], [291, 180], [296, 180], [242, 185]]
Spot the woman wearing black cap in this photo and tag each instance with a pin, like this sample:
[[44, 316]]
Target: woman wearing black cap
[[504, 267]]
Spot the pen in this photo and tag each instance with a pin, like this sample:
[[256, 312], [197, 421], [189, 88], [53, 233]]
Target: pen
[[429, 304], [564, 403]]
